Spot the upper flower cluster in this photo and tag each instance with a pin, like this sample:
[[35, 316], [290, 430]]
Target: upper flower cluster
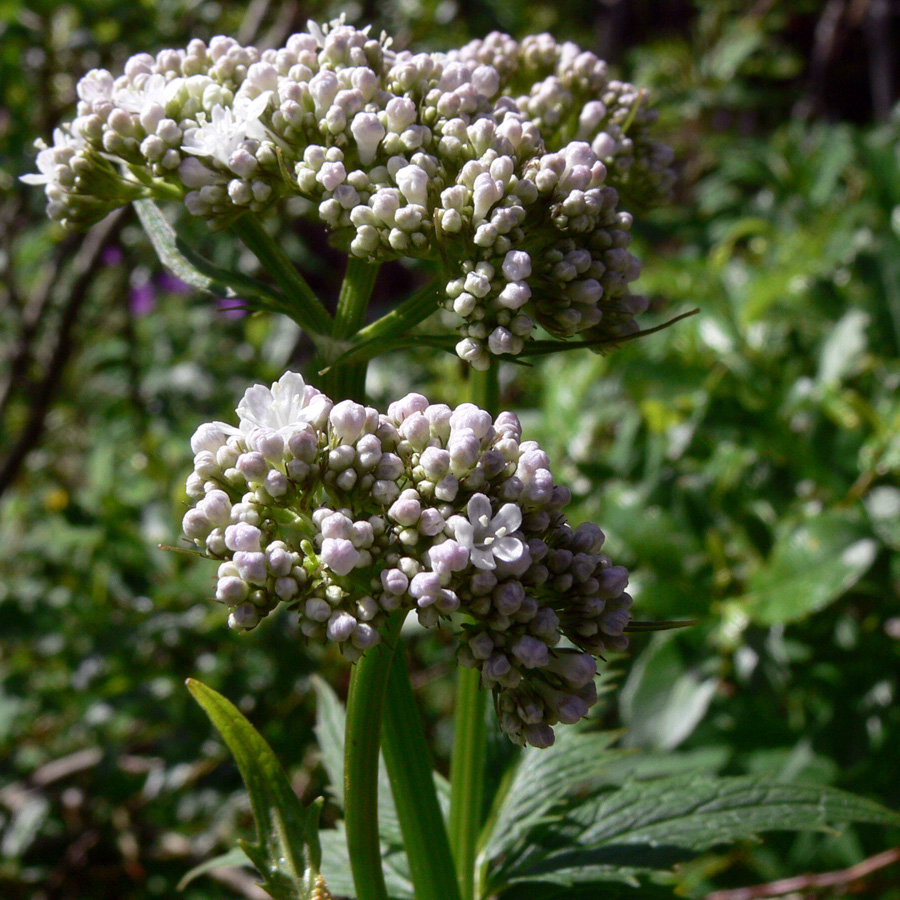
[[347, 514], [508, 162]]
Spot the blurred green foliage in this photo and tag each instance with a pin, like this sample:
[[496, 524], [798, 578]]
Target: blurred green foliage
[[745, 463]]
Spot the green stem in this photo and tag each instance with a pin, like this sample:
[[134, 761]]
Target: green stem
[[365, 703], [408, 761], [470, 729], [414, 309], [347, 380], [308, 310]]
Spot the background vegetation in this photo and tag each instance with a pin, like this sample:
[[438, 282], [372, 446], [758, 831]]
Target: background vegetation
[[745, 463]]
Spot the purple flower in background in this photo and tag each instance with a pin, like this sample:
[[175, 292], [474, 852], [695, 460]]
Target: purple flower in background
[[231, 307], [142, 300], [166, 281], [112, 256]]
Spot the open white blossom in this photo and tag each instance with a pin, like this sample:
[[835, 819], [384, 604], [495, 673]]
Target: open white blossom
[[490, 538], [227, 129], [290, 405]]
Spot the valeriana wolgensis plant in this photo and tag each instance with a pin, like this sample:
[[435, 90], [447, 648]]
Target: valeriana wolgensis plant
[[509, 166]]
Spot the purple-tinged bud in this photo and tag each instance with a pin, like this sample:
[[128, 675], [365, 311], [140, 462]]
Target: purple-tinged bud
[[244, 616], [394, 581], [407, 509], [450, 556], [435, 462], [575, 667], [531, 652], [447, 488], [286, 588], [464, 449], [481, 646], [365, 636], [339, 555], [335, 525], [588, 538], [540, 736], [276, 483], [467, 416], [303, 445], [195, 525], [317, 609], [347, 421], [251, 566], [340, 626], [269, 443], [243, 537], [232, 590], [216, 506], [409, 404], [279, 559], [612, 581], [390, 467], [424, 587], [368, 449], [431, 522], [252, 466], [508, 597]]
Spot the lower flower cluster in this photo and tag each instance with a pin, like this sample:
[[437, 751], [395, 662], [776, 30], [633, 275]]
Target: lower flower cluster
[[347, 514]]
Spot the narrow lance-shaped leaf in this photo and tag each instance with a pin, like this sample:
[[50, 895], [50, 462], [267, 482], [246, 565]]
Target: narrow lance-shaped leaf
[[287, 852], [198, 272]]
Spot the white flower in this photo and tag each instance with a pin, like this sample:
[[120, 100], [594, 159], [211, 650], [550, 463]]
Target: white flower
[[489, 539], [228, 129], [287, 407]]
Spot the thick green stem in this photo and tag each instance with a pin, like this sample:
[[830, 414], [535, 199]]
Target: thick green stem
[[307, 309], [470, 729], [408, 761], [348, 380], [365, 703]]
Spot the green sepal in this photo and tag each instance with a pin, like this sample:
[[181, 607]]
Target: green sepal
[[287, 853]]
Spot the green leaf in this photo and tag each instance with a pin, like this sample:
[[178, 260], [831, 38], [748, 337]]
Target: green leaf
[[198, 272], [843, 348], [329, 730], [663, 700], [231, 859], [336, 862], [330, 720], [287, 852], [649, 826], [883, 507], [810, 566], [539, 780]]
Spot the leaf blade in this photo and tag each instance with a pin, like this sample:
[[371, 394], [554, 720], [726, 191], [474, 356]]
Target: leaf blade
[[287, 852]]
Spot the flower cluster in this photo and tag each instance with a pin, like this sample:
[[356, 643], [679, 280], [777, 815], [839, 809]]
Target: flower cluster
[[347, 514], [507, 162]]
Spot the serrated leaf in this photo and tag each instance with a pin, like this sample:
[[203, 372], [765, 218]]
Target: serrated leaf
[[336, 862], [608, 890], [232, 859], [809, 567], [539, 780], [329, 731], [287, 853], [650, 826]]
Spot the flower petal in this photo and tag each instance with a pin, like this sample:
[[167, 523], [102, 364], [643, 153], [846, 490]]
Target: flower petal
[[509, 516], [479, 506]]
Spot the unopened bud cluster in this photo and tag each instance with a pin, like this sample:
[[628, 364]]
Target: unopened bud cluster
[[347, 514], [508, 162]]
